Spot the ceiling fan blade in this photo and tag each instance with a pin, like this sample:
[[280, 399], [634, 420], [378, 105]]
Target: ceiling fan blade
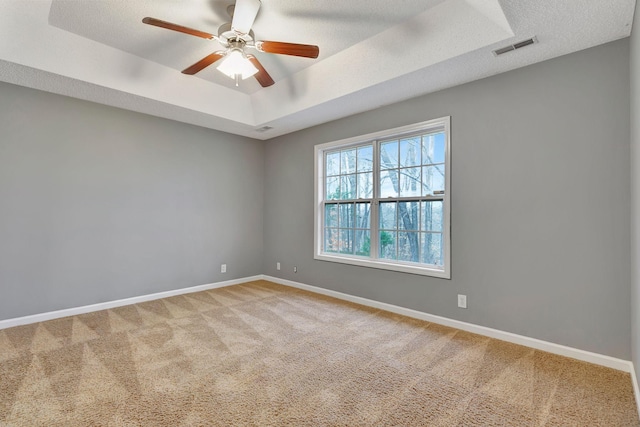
[[295, 49], [175, 27], [203, 63], [244, 14], [262, 76]]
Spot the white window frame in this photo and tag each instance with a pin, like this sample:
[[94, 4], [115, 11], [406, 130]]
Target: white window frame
[[443, 123]]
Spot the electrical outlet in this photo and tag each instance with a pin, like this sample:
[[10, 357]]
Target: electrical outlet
[[277, 266], [462, 301], [295, 269], [223, 268]]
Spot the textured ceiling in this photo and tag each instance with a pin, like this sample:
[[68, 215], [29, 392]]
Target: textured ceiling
[[372, 53]]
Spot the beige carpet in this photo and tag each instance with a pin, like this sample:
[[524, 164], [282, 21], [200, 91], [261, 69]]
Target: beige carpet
[[261, 354]]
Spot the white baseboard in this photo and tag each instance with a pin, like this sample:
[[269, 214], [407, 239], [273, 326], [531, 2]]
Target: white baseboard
[[118, 303], [586, 356], [598, 359]]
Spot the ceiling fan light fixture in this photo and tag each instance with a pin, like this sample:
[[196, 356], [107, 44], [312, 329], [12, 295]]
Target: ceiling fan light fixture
[[236, 64]]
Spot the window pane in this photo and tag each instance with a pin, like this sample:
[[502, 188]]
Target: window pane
[[348, 161], [408, 246], [365, 185], [388, 215], [333, 187], [365, 158], [410, 182], [331, 215], [347, 187], [431, 216], [410, 152], [431, 248], [389, 155], [433, 148], [346, 241], [331, 240], [333, 163], [363, 242], [363, 215], [388, 244], [389, 184], [408, 215], [432, 179], [346, 215]]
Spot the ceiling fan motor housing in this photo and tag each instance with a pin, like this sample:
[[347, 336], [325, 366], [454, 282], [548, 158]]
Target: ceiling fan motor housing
[[226, 36]]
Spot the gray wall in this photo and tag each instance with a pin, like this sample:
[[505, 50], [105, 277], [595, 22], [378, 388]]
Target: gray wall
[[98, 204], [540, 205], [635, 190]]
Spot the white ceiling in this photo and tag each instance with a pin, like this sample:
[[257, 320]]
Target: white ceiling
[[372, 53]]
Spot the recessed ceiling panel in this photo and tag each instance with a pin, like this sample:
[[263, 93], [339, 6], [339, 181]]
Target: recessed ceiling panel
[[335, 26], [372, 53]]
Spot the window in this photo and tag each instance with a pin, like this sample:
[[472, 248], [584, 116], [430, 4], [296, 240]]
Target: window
[[383, 199]]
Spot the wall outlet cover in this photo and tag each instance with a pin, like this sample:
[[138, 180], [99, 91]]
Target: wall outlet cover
[[462, 301]]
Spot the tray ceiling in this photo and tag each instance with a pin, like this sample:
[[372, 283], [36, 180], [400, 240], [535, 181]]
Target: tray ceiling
[[372, 53]]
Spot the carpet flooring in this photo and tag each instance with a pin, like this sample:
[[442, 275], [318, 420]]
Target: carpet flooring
[[261, 354]]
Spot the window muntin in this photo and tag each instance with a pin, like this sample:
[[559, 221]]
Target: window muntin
[[384, 200], [411, 231], [349, 173]]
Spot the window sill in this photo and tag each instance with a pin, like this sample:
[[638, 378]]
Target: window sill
[[400, 267]]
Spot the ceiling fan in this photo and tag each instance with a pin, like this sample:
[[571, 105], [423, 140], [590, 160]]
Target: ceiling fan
[[235, 37]]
